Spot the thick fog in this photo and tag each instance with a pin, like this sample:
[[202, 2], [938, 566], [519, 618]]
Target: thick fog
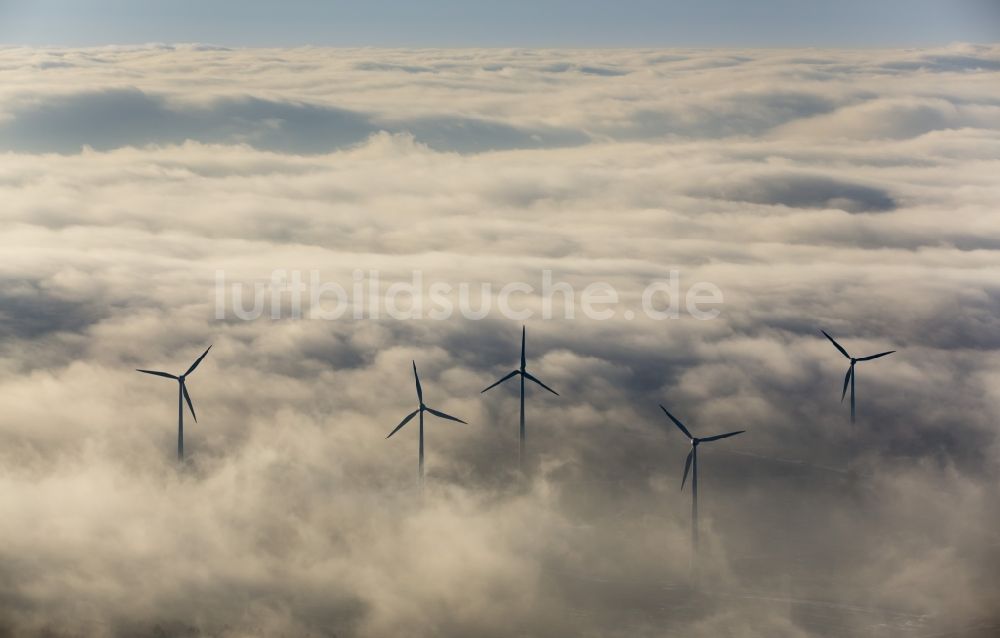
[[854, 191]]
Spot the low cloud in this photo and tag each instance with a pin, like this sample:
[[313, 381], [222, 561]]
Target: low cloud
[[860, 202]]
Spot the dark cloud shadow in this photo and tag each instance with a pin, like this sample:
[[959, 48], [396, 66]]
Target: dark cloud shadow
[[469, 135], [945, 63], [29, 312], [567, 67], [116, 118], [748, 114], [390, 66], [804, 191]]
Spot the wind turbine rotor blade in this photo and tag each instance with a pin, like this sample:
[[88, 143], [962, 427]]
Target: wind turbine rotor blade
[[677, 423], [834, 342], [528, 375], [187, 397], [512, 374], [523, 359], [197, 361], [687, 466], [722, 436], [875, 356], [404, 422], [847, 381], [416, 377], [445, 416], [158, 373]]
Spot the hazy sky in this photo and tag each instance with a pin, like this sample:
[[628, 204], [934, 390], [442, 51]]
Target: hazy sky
[[512, 23]]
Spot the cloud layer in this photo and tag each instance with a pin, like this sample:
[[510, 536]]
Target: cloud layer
[[848, 190]]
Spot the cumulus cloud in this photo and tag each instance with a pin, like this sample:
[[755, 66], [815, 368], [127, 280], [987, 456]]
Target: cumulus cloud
[[845, 190]]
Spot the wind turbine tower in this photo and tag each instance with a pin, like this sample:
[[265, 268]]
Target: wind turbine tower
[[849, 377], [421, 408], [182, 396], [523, 374], [692, 464]]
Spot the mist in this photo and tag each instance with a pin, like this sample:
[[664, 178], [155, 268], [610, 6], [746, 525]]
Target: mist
[[845, 190]]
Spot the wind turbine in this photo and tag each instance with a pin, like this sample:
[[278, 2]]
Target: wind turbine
[[420, 410], [182, 396], [692, 460], [849, 377], [524, 374]]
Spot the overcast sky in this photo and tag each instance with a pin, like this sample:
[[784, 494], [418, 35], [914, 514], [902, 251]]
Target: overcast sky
[[512, 23]]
